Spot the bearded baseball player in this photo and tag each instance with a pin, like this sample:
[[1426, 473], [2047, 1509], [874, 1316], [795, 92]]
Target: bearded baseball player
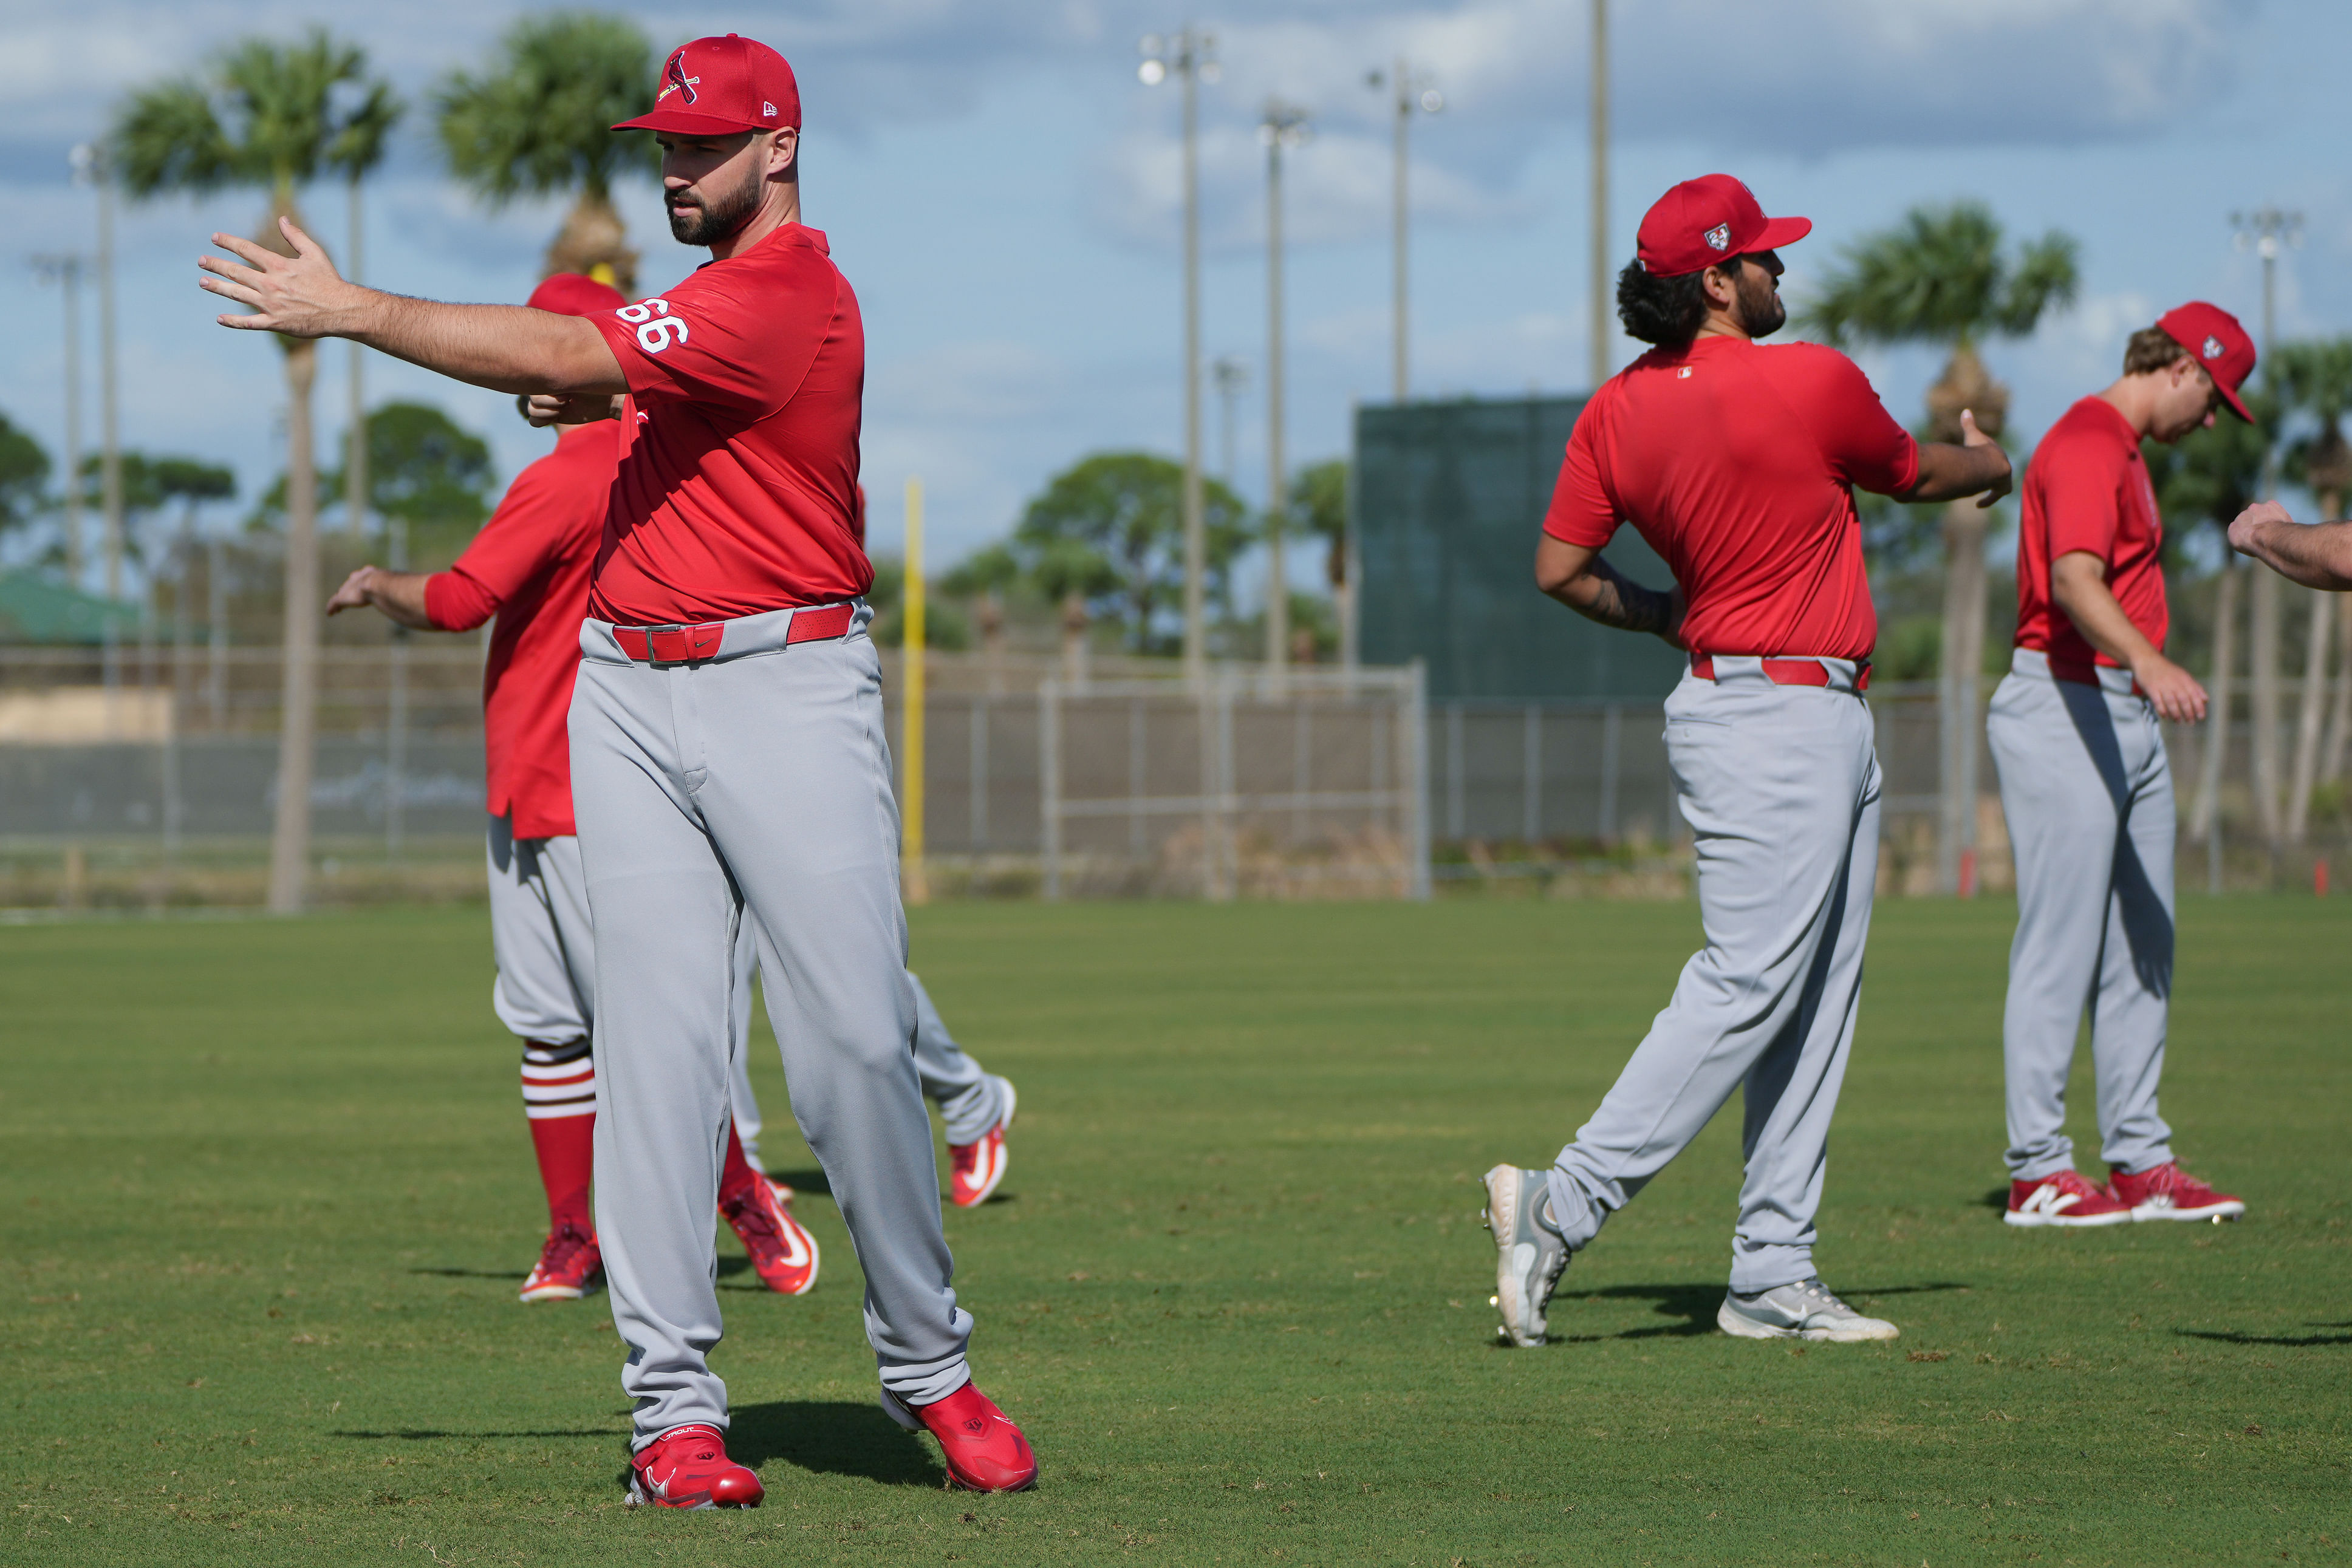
[[2086, 789], [1737, 463], [728, 757], [528, 566]]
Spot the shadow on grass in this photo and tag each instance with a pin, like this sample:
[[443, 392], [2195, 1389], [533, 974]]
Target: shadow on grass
[[1997, 1198], [476, 1273], [809, 1180], [831, 1437], [1695, 1305], [2290, 1342], [422, 1435]]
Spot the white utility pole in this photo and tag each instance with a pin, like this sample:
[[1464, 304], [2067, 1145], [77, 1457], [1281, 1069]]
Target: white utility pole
[[1285, 125], [1411, 94], [1602, 278]]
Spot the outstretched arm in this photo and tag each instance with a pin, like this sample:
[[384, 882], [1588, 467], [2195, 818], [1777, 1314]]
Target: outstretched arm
[[506, 348], [400, 595], [1947, 472], [2317, 555], [1580, 579]]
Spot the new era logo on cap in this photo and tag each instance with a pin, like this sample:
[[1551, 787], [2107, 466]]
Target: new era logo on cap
[[767, 110]]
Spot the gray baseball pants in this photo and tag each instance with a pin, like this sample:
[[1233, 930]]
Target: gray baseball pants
[[971, 1101], [754, 784], [1781, 786], [540, 936], [2088, 792]]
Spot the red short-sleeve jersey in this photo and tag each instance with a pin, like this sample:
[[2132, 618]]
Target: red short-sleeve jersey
[[2087, 489], [1738, 462], [528, 566], [740, 493]]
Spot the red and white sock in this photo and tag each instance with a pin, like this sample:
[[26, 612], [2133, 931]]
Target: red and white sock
[[737, 1174], [559, 1095]]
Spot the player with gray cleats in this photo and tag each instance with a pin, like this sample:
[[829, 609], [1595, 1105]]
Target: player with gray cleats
[[1531, 1254], [1807, 1311]]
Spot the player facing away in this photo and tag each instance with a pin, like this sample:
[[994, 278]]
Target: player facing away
[[2086, 789], [528, 566], [1737, 463], [728, 757]]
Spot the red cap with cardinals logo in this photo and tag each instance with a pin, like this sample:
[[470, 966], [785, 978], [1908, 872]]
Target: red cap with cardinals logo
[[717, 86], [1712, 218], [2217, 344], [570, 293]]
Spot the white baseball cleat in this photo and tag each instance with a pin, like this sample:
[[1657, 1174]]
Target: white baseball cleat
[[1805, 1311], [1530, 1256]]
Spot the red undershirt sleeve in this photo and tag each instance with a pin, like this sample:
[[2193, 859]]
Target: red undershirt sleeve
[[1582, 512], [2079, 503], [454, 600]]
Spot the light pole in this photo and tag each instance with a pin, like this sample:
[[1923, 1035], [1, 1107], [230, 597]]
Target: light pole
[[1285, 125], [66, 271], [1600, 279], [1412, 94], [355, 474], [1232, 376], [2266, 231], [1190, 55], [88, 163]]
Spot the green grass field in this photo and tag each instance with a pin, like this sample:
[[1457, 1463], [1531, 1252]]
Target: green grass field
[[267, 1195]]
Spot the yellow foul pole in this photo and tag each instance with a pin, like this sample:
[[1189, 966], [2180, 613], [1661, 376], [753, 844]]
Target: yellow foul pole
[[910, 850]]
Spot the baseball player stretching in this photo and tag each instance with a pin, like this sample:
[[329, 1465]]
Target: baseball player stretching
[[728, 759], [2086, 786], [528, 566], [1737, 464]]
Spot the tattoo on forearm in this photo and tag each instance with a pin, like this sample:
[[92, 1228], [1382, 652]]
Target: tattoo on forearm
[[1614, 599]]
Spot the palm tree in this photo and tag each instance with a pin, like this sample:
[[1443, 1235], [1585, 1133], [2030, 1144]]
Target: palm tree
[[269, 115], [1939, 276], [535, 125], [2211, 477], [2317, 379]]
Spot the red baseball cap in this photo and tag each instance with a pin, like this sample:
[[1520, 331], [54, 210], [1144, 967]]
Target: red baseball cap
[[2214, 338], [717, 86], [570, 293], [1712, 218]]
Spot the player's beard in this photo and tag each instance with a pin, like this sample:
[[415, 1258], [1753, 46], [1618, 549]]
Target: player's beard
[[1761, 313], [712, 221]]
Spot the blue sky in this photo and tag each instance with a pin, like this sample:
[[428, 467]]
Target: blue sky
[[1002, 191]]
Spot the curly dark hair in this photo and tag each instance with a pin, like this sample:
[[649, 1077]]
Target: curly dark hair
[[1666, 312]]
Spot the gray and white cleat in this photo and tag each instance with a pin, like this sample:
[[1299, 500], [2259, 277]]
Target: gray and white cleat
[[1530, 1257], [1806, 1310]]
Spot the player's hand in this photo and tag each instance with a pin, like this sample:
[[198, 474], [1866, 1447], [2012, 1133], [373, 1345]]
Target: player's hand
[[2247, 527], [301, 295], [543, 409], [1971, 436], [353, 595], [2173, 691]]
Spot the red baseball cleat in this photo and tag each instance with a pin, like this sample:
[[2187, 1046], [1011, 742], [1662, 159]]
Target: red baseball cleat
[[568, 1265], [782, 1251], [2167, 1192], [983, 1450], [2063, 1198], [687, 1466], [978, 1167]]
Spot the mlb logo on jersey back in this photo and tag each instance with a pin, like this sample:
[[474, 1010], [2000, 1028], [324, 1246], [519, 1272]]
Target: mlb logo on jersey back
[[1720, 236], [2213, 349]]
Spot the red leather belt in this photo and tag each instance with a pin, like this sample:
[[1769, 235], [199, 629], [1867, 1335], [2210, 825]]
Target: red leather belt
[[1786, 672], [686, 644]]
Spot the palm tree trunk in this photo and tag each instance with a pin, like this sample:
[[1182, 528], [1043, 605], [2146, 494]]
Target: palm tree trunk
[[2204, 821], [1962, 676], [289, 844], [2262, 651], [2339, 716], [2308, 710]]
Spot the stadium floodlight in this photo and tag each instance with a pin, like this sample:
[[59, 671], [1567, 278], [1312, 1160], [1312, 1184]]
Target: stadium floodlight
[[1412, 92], [1283, 126], [1190, 56]]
